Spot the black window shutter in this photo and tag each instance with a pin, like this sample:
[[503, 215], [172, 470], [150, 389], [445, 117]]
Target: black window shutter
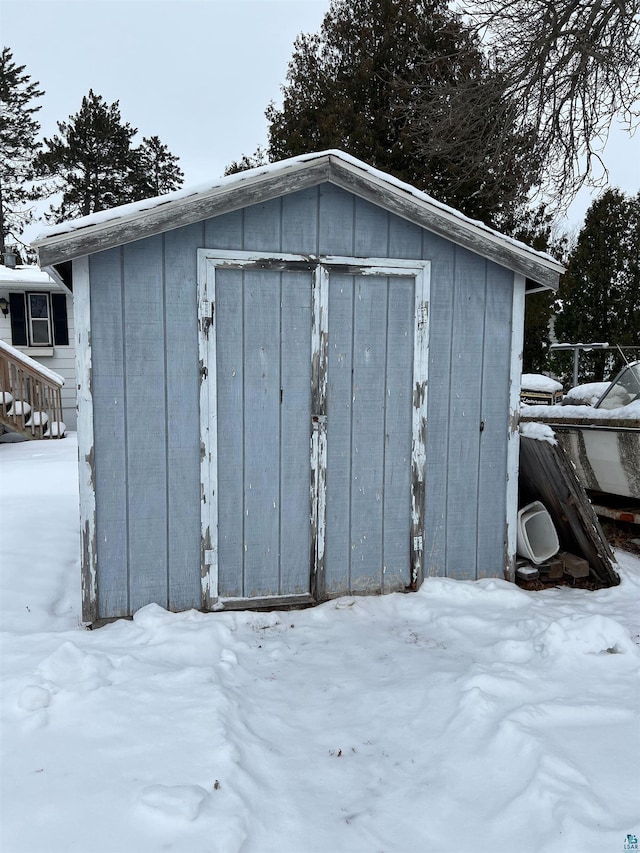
[[59, 312], [18, 319]]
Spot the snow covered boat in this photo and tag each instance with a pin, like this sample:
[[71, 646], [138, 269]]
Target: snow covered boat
[[603, 440]]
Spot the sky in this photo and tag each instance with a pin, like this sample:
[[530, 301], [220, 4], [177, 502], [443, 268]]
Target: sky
[[197, 74]]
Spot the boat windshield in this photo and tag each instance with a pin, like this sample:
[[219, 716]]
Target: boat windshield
[[624, 389]]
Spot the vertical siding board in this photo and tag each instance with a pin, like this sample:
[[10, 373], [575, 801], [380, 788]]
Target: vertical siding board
[[464, 414], [335, 226], [397, 434], [262, 226], [339, 394], [441, 254], [495, 416], [300, 222], [262, 432], [183, 440], [295, 416], [224, 232], [146, 402], [369, 362], [230, 414], [109, 417], [371, 230], [405, 239]]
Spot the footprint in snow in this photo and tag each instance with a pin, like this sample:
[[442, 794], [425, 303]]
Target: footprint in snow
[[183, 801], [33, 698]]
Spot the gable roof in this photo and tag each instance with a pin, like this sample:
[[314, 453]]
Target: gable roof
[[59, 244]]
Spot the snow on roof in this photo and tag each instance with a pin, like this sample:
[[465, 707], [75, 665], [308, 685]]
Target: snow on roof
[[61, 235], [24, 274], [128, 210]]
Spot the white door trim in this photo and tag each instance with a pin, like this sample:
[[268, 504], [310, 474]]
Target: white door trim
[[208, 430]]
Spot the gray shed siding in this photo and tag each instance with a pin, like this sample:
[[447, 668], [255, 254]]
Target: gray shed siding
[[145, 386]]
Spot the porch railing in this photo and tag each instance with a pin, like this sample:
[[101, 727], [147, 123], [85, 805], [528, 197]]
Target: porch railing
[[30, 396]]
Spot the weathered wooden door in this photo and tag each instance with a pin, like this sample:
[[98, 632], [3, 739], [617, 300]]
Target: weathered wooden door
[[370, 432], [313, 409]]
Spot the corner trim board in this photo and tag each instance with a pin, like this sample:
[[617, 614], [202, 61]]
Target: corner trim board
[[513, 426], [86, 469]]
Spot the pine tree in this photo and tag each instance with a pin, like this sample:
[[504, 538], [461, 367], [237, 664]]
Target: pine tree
[[18, 146], [396, 83], [91, 160], [93, 163], [600, 294], [157, 169]]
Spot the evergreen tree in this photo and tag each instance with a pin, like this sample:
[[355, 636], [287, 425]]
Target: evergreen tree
[[600, 294], [91, 160], [535, 228], [157, 169], [258, 158], [93, 163], [397, 83], [18, 146]]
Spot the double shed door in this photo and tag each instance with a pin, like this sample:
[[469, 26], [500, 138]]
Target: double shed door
[[313, 414]]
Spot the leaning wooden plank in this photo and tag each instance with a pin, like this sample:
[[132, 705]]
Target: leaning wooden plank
[[547, 475]]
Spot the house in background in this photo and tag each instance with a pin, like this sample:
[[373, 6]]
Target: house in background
[[298, 382], [36, 317]]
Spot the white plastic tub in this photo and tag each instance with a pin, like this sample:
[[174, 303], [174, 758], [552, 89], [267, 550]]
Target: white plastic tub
[[537, 537]]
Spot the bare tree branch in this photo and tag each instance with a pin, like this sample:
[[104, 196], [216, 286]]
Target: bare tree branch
[[572, 67]]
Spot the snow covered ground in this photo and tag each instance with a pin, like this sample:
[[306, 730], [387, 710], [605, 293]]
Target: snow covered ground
[[468, 717]]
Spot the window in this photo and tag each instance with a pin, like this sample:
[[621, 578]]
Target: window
[[39, 319], [38, 312]]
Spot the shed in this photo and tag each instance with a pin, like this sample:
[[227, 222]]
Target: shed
[[298, 382]]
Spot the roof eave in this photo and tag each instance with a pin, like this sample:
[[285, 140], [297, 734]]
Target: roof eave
[[476, 237], [261, 185], [56, 248]]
